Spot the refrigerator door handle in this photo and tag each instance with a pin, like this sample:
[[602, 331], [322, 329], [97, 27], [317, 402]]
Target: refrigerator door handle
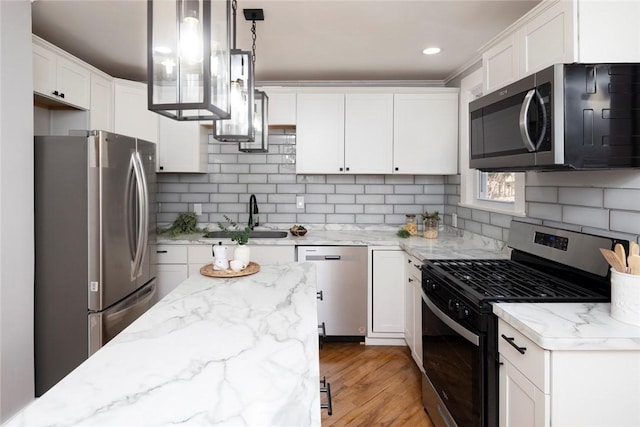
[[141, 230], [130, 211], [144, 214]]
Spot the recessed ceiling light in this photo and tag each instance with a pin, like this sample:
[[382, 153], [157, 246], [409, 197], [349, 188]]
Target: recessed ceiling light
[[431, 50]]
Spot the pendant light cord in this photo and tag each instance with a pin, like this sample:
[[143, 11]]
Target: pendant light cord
[[234, 5], [253, 37]]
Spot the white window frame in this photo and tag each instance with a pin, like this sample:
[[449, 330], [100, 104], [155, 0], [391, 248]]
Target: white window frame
[[471, 88]]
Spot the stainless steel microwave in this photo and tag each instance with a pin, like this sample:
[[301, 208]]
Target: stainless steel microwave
[[565, 117]]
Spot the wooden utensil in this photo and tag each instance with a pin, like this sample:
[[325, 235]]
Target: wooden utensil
[[634, 249], [634, 265], [613, 260], [620, 252]]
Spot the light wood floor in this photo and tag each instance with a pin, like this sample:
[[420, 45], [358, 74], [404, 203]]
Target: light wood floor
[[372, 386]]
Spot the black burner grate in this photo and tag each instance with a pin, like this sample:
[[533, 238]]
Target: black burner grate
[[509, 280]]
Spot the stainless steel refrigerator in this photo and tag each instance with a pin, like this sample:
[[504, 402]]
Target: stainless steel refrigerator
[[94, 223]]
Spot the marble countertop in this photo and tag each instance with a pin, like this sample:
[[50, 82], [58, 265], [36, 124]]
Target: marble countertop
[[570, 326], [232, 352], [451, 244]]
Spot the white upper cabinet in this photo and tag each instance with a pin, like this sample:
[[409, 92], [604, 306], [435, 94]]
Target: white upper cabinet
[[563, 31], [282, 106], [375, 132], [609, 31], [59, 77], [101, 112], [547, 38], [500, 64], [182, 146], [425, 139], [320, 133], [344, 133], [131, 115], [368, 133]]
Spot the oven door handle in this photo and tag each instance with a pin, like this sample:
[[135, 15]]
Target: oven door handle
[[460, 330]]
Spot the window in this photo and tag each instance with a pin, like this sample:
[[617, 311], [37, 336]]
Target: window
[[495, 191], [497, 187]]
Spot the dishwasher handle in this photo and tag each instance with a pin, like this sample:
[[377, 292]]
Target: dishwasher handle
[[323, 258]]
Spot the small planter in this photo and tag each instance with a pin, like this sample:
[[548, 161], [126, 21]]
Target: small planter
[[242, 253], [430, 230]]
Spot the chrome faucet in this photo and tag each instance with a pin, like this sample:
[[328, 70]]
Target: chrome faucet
[[253, 210]]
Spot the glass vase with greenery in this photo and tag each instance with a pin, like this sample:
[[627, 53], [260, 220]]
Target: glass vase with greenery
[[236, 233]]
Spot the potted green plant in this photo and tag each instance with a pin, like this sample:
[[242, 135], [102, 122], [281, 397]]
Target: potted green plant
[[241, 237], [430, 222]]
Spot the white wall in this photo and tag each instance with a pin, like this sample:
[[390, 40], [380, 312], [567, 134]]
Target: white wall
[[16, 208]]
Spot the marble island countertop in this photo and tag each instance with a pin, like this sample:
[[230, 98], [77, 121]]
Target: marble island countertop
[[228, 352], [570, 326], [450, 244]]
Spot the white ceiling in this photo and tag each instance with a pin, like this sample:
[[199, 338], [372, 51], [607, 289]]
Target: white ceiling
[[299, 40]]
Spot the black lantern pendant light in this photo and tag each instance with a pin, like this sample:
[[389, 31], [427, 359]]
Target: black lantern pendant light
[[240, 126], [188, 58], [260, 143]]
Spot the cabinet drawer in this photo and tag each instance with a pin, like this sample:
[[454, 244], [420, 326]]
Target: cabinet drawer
[[533, 364], [170, 254], [201, 254], [413, 268]]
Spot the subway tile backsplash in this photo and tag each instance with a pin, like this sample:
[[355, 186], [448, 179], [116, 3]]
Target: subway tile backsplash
[[603, 202], [329, 199]]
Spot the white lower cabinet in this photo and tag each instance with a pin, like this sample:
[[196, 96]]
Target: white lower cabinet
[[587, 388], [169, 276], [171, 267], [387, 294], [200, 255], [174, 263], [409, 325], [413, 307], [522, 403], [524, 380], [267, 254]]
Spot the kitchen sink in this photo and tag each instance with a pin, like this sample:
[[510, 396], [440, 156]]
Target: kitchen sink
[[255, 234]]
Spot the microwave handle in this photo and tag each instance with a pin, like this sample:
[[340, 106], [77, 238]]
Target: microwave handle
[[524, 112]]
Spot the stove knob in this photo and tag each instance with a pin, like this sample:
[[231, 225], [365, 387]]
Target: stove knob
[[463, 312], [431, 285], [451, 305]]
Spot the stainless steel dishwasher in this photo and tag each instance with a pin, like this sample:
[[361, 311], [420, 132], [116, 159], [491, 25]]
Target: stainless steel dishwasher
[[342, 289]]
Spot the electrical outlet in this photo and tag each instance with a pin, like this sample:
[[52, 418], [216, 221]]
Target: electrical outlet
[[197, 208], [300, 202], [454, 220]]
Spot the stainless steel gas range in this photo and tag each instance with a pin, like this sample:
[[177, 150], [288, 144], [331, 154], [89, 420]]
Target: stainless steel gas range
[[459, 330]]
